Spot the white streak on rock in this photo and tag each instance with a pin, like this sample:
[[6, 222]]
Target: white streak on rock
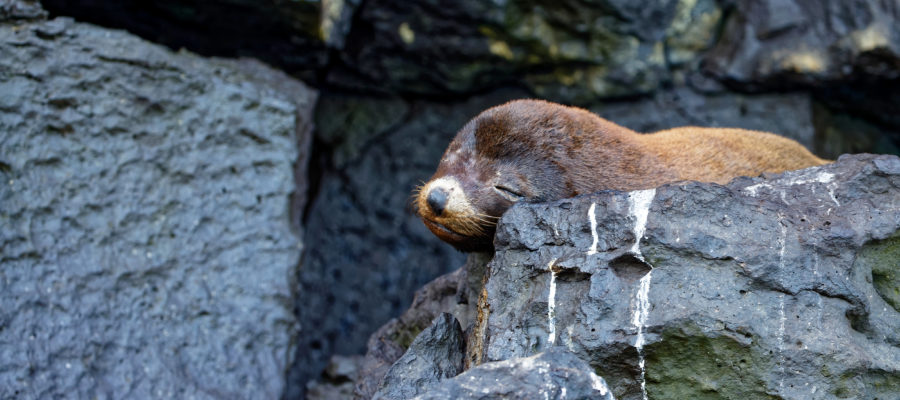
[[598, 384], [593, 217], [639, 320], [782, 240], [551, 305], [639, 206], [820, 177]]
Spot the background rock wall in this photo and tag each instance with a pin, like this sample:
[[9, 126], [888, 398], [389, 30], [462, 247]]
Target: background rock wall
[[398, 78], [146, 249]]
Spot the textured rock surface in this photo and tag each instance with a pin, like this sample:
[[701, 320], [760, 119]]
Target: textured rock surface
[[808, 40], [553, 374], [435, 355], [848, 53], [777, 287], [146, 244]]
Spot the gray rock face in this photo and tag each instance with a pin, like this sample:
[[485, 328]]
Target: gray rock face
[[778, 287], [435, 355], [553, 374], [146, 244]]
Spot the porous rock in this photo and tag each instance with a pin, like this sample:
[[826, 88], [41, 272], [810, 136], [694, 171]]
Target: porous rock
[[146, 245], [774, 287], [555, 373]]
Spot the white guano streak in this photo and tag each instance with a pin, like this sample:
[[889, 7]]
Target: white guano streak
[[551, 306], [598, 384], [782, 241], [639, 204], [821, 177], [593, 217], [639, 320]]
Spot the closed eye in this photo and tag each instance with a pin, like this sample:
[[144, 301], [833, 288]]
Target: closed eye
[[508, 193]]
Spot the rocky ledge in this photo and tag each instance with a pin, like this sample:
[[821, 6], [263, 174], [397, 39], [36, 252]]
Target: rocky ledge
[[777, 287]]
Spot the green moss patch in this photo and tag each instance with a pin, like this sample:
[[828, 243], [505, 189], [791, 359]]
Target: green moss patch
[[883, 257], [687, 364]]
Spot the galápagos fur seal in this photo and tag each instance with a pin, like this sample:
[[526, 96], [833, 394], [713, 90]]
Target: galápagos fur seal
[[537, 151]]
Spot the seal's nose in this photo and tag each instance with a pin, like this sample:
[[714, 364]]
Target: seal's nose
[[437, 200]]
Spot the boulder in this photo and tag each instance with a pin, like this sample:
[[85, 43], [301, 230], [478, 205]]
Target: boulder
[[555, 373], [776, 287], [147, 250]]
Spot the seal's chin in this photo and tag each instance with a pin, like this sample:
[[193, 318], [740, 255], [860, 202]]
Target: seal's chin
[[459, 241], [444, 232]]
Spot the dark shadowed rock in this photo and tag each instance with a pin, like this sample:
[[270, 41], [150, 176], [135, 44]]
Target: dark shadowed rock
[[574, 51], [362, 234], [775, 287], [555, 373], [447, 294], [146, 245], [847, 52], [435, 355], [787, 114], [807, 41], [283, 33], [338, 379]]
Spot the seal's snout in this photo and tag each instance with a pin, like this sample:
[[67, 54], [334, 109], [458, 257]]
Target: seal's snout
[[437, 200], [447, 211]]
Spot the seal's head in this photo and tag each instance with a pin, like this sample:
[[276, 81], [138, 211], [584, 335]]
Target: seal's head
[[507, 154], [536, 151]]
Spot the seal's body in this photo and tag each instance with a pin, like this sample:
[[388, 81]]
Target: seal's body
[[535, 151]]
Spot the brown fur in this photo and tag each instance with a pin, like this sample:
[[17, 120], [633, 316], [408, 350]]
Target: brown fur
[[545, 151]]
